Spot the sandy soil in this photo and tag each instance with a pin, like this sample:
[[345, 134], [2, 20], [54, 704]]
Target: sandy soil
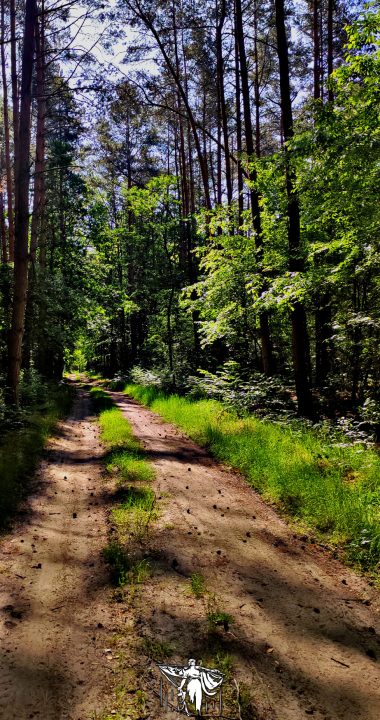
[[305, 632], [54, 609], [304, 637]]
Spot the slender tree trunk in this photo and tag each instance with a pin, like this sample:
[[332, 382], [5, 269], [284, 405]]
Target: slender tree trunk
[[266, 345], [22, 180], [8, 164], [222, 100], [4, 249], [316, 50], [214, 176], [323, 335], [218, 199], [15, 97], [323, 311], [239, 143], [321, 63], [356, 336], [219, 191], [256, 84], [330, 44], [39, 165], [300, 341]]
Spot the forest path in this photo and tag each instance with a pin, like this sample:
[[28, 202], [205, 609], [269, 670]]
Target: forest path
[[304, 638], [54, 586]]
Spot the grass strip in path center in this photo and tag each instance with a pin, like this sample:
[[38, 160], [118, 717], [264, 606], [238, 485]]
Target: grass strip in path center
[[125, 462], [131, 515]]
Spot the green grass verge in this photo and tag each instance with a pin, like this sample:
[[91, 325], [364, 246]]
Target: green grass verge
[[20, 449], [333, 488]]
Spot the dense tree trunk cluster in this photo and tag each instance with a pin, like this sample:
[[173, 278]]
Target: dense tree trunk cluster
[[33, 91], [219, 207]]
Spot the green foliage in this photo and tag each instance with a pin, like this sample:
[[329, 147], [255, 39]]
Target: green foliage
[[139, 572], [220, 296], [198, 585], [116, 557], [33, 389], [124, 570], [219, 619], [268, 396], [332, 486], [57, 280], [244, 700], [337, 150], [135, 275], [75, 360]]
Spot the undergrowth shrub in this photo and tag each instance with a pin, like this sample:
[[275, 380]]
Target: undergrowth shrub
[[271, 398], [260, 394], [33, 388], [20, 448]]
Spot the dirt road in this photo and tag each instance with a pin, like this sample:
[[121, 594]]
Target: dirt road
[[54, 589], [302, 632], [303, 635]]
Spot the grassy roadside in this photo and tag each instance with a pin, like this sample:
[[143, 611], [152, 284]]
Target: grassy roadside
[[20, 449], [333, 488]]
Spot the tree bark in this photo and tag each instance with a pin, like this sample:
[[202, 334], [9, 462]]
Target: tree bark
[[15, 97], [22, 181], [39, 165], [239, 143], [4, 249], [266, 345], [323, 342], [256, 83], [8, 164], [316, 51], [330, 45], [222, 99], [323, 311], [300, 340]]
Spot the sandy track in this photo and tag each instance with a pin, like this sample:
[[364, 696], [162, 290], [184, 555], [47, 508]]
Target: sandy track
[[53, 586], [305, 636]]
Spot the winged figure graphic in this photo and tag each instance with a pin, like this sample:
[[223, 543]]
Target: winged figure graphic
[[193, 681]]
